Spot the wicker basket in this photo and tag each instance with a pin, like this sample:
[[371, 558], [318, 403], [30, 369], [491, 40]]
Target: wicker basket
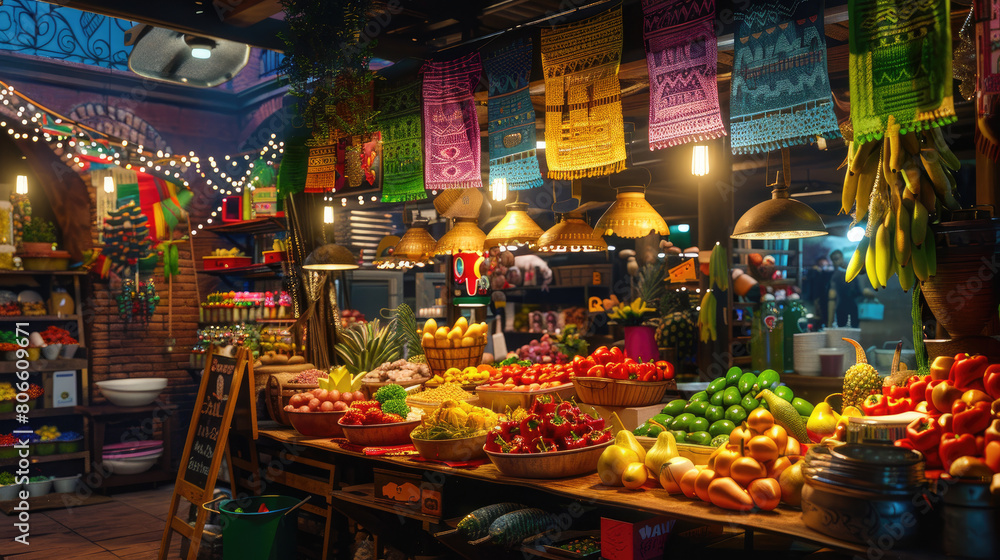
[[618, 392], [440, 359], [279, 390]]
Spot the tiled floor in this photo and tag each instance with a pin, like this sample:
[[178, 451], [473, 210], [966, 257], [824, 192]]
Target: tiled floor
[[129, 527]]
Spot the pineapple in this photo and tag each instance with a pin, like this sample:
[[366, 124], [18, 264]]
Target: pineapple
[[651, 287], [676, 330], [861, 379], [368, 345]]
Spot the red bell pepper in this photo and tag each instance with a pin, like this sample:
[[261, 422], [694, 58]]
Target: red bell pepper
[[970, 419], [991, 456], [905, 443], [946, 423], [596, 423], [980, 445], [582, 364], [993, 431], [896, 392], [900, 405], [572, 441], [924, 433], [917, 386], [557, 427], [531, 427], [631, 370], [617, 371], [545, 445], [509, 429], [518, 444], [922, 407], [933, 458], [967, 373], [875, 405], [597, 371], [598, 437], [648, 372], [602, 355], [991, 380], [666, 369], [954, 446], [927, 395], [617, 356]]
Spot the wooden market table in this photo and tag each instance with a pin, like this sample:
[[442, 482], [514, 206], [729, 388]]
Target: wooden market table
[[589, 491]]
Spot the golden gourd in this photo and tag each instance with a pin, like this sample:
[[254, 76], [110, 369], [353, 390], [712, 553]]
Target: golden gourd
[[662, 451]]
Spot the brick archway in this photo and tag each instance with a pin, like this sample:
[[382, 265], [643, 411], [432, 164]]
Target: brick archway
[[120, 123]]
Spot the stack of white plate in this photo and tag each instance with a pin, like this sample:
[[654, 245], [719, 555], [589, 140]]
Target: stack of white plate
[[132, 457], [834, 339], [806, 351]]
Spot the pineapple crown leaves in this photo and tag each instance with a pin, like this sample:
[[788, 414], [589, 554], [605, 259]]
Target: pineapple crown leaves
[[405, 323], [368, 345], [651, 287]]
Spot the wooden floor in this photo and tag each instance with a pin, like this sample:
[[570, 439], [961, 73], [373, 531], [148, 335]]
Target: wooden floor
[[129, 527]]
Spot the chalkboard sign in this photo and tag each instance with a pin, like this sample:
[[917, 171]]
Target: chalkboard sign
[[222, 384]]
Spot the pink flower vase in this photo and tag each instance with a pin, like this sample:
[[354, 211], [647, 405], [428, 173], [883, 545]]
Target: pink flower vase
[[640, 343]]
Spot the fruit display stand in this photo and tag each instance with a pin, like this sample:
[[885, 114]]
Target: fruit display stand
[[360, 504]]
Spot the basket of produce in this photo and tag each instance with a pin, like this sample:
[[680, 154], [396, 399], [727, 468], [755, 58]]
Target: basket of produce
[[315, 413], [456, 431], [620, 392], [384, 421], [459, 347], [401, 372], [549, 440], [430, 399], [280, 387], [502, 398], [469, 377]]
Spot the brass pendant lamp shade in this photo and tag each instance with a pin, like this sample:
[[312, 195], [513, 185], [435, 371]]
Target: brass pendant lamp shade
[[515, 228], [330, 257], [416, 247], [779, 218], [631, 216], [570, 234], [463, 237]]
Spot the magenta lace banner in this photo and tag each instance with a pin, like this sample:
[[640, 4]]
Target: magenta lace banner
[[451, 126]]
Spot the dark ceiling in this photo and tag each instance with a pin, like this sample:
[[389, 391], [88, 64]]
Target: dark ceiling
[[420, 29]]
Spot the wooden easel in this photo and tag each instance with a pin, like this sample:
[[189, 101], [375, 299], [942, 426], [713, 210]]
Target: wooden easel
[[222, 387]]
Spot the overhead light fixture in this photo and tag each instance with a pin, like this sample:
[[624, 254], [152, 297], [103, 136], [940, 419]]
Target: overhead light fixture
[[330, 257], [328, 214], [515, 228], [171, 56], [21, 184], [570, 234], [109, 184], [416, 247], [498, 188], [699, 160], [855, 234], [631, 216], [463, 237], [811, 193], [779, 218]]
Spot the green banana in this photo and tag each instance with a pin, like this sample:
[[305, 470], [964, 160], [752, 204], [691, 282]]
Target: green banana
[[936, 173], [936, 139], [930, 251], [883, 250], [902, 232], [906, 276], [857, 260], [870, 265], [918, 223], [918, 262], [861, 156], [910, 142]]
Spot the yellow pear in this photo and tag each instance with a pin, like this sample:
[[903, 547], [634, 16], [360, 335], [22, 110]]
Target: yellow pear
[[462, 324], [441, 333], [430, 326]]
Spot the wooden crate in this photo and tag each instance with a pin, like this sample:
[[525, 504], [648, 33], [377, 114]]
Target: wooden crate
[[583, 275]]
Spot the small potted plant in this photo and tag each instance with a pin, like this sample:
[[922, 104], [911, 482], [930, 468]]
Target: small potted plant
[[39, 237], [8, 488]]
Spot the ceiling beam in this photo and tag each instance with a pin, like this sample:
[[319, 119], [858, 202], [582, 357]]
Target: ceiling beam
[[244, 13]]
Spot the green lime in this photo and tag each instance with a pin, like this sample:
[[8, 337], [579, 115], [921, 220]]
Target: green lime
[[697, 408], [784, 392], [733, 376], [747, 382], [641, 430], [680, 436], [804, 407], [674, 407], [768, 379], [716, 386], [731, 396], [749, 403], [715, 413], [722, 428], [682, 421], [736, 414], [699, 425], [716, 399], [654, 430], [699, 438], [662, 419], [699, 396]]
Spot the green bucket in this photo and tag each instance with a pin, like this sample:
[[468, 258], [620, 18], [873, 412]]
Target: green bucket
[[250, 535]]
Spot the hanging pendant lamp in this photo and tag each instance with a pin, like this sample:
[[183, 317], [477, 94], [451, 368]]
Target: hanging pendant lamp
[[570, 234], [631, 216], [330, 257], [416, 247], [515, 228], [780, 217], [463, 237]]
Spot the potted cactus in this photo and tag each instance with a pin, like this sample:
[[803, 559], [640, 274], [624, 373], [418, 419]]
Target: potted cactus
[[39, 237]]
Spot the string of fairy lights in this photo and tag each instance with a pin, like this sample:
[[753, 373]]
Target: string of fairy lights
[[228, 175]]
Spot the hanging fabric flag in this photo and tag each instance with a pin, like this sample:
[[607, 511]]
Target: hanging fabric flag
[[584, 134], [451, 126], [900, 65], [681, 55], [512, 117], [988, 98], [780, 88], [402, 152], [321, 171]]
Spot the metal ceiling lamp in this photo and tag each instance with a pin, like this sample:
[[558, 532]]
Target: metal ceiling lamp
[[463, 237], [516, 228], [415, 248], [631, 216], [781, 217], [330, 256], [571, 234], [171, 56]]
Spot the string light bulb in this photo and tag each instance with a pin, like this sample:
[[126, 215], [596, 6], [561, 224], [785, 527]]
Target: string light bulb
[[22, 184], [328, 214], [699, 160], [498, 188], [109, 184]]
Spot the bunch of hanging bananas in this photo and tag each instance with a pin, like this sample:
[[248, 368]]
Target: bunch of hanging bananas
[[706, 317], [630, 312], [898, 183]]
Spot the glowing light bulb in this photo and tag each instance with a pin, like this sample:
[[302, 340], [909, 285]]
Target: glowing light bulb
[[22, 184], [109, 185]]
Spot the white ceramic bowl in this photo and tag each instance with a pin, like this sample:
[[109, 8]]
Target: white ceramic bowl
[[40, 488], [51, 351], [132, 466], [69, 350], [65, 483], [9, 492], [132, 392]]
